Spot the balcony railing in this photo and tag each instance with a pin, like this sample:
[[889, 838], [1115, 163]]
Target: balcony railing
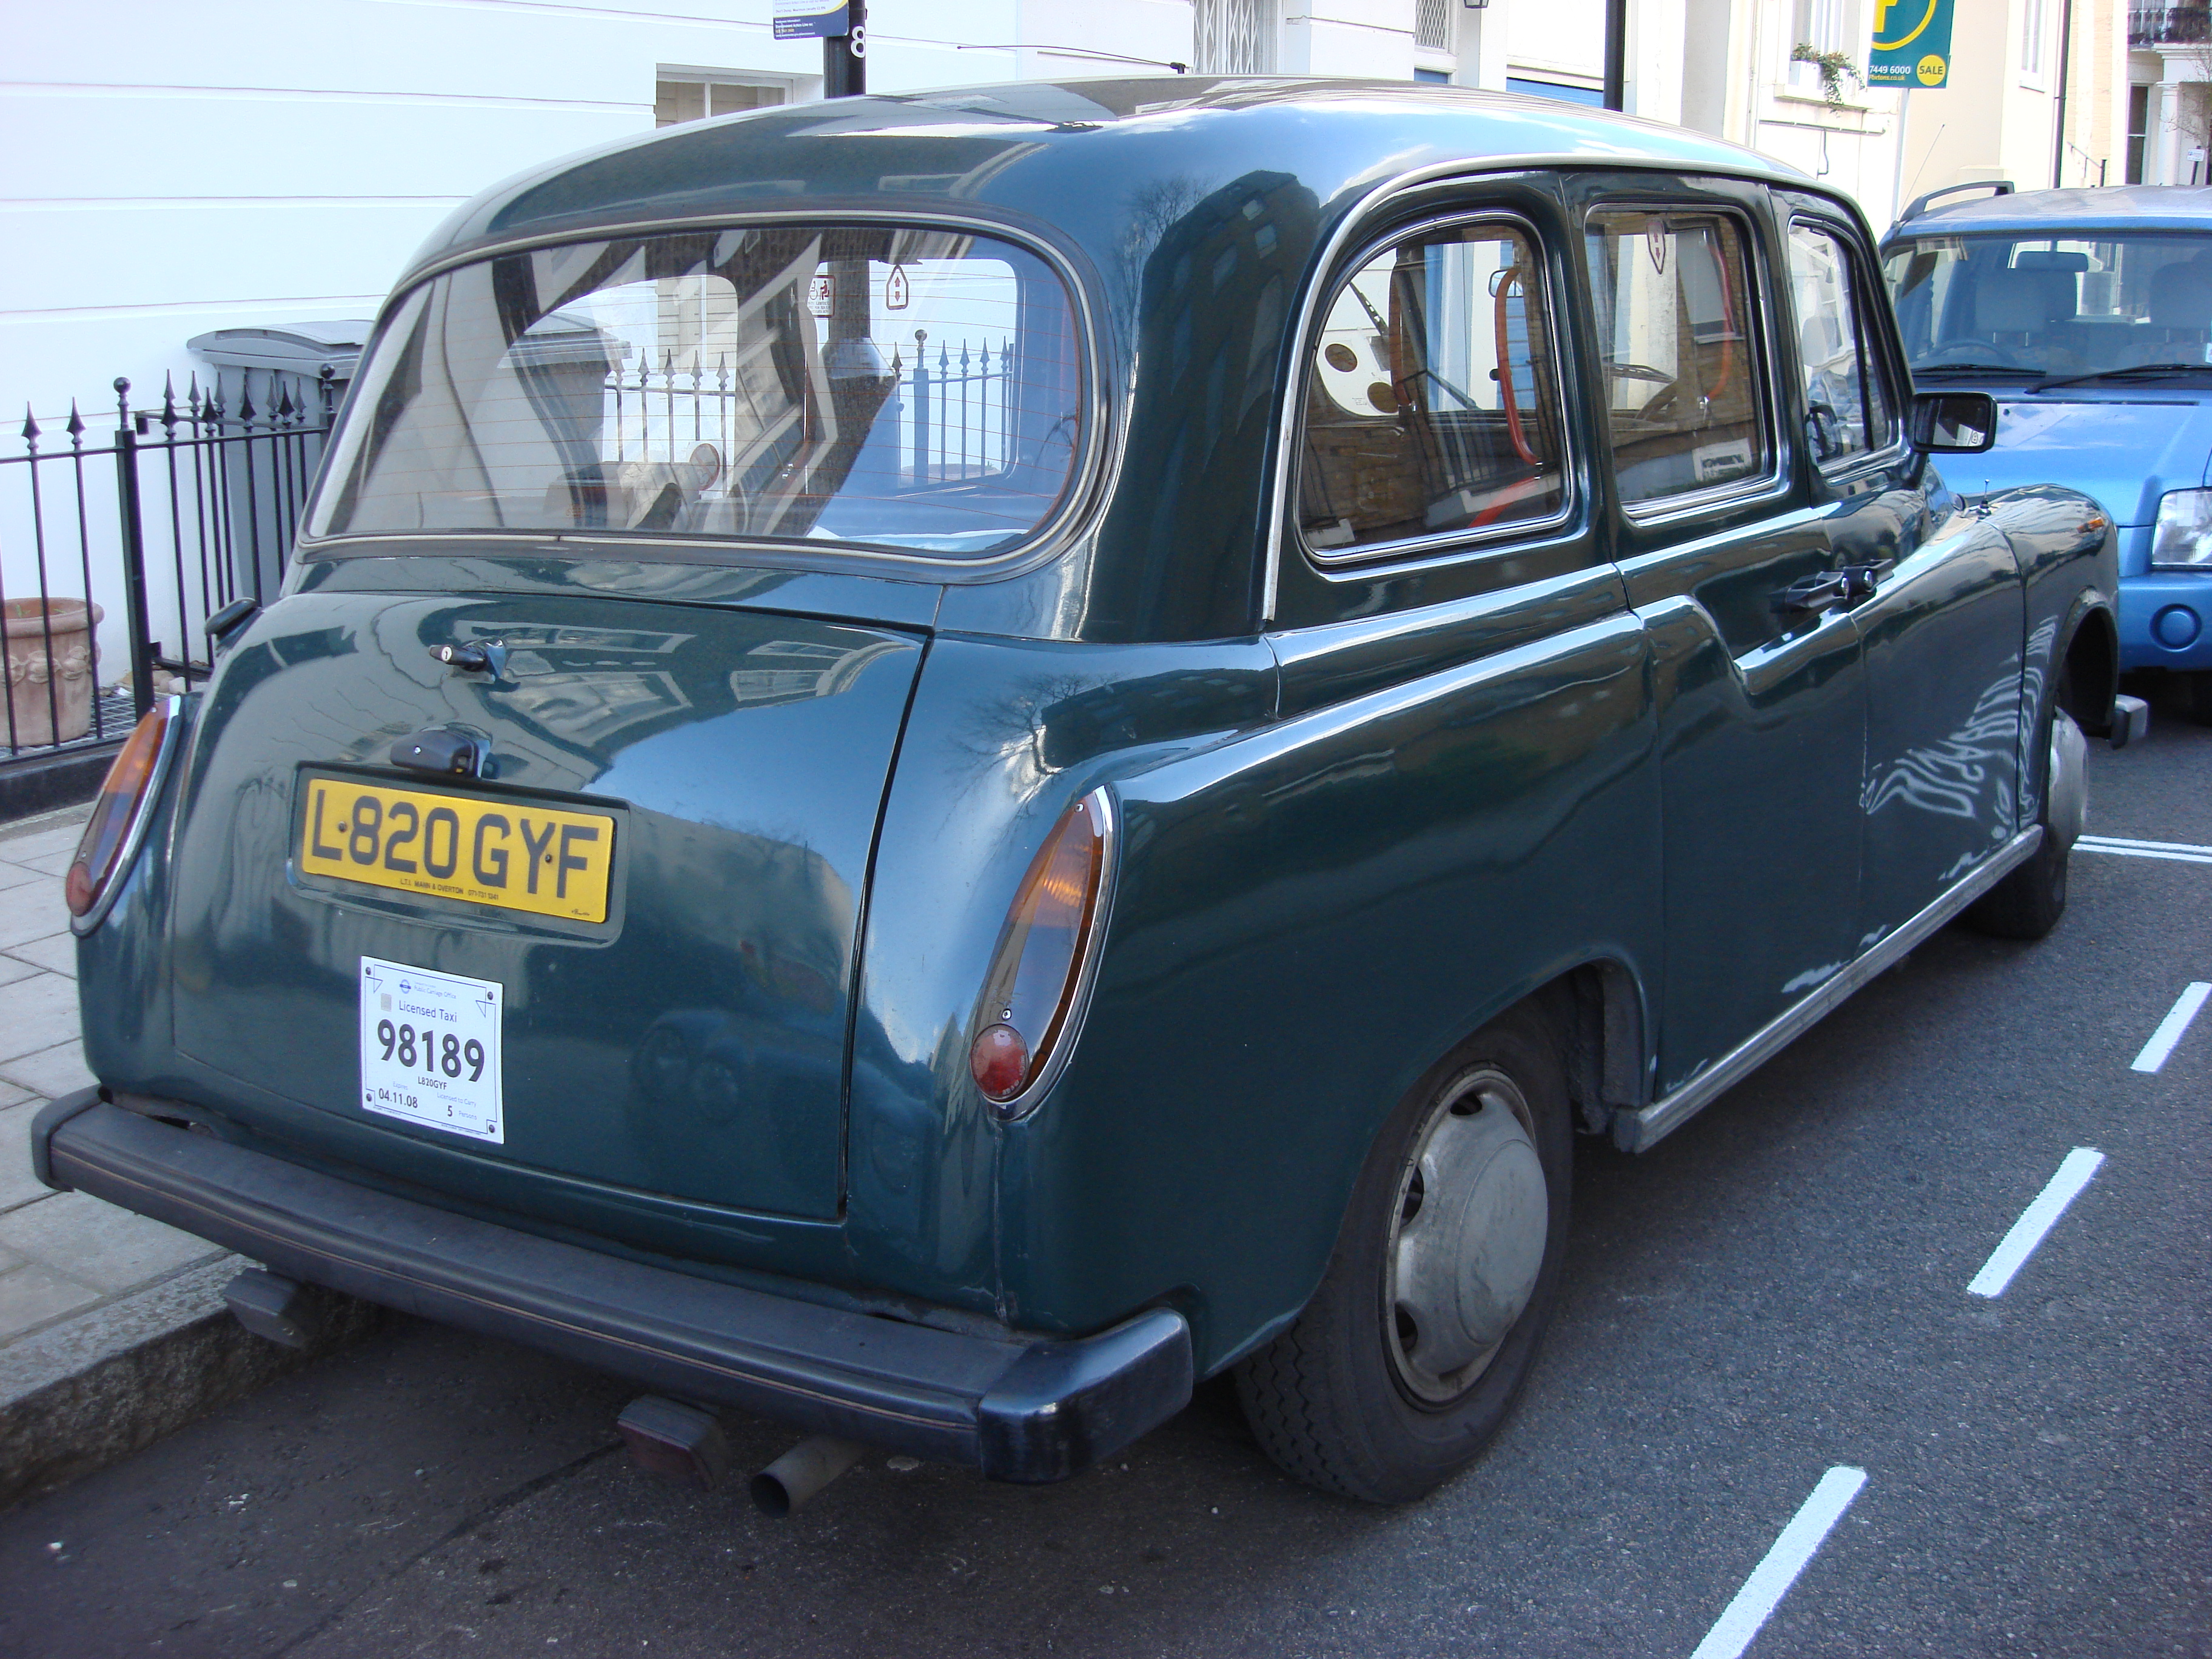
[[2160, 26]]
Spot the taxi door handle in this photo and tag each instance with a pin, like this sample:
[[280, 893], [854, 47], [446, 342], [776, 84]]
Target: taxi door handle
[[1809, 594], [1860, 580]]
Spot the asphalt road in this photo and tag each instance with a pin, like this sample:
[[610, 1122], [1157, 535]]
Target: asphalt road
[[1778, 1290]]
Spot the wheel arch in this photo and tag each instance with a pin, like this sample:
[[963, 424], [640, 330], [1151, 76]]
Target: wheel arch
[[1596, 1008], [2090, 655]]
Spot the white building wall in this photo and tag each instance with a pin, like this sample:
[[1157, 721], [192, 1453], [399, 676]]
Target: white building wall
[[176, 169], [1348, 37]]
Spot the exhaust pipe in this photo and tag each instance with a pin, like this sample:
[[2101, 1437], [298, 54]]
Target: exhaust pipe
[[800, 1473]]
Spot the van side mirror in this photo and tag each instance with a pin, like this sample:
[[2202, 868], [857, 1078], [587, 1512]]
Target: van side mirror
[[1953, 423]]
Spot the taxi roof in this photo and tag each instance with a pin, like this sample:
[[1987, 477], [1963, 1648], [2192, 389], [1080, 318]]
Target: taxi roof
[[1085, 155]]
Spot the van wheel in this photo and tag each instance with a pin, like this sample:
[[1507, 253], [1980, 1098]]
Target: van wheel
[[1445, 1274], [2196, 697], [2027, 903]]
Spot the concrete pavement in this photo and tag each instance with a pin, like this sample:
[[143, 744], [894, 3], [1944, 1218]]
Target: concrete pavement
[[113, 1330]]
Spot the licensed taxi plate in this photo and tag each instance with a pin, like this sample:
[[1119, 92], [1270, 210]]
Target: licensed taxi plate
[[481, 850], [430, 1048]]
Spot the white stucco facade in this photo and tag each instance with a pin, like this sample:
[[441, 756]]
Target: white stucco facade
[[244, 163]]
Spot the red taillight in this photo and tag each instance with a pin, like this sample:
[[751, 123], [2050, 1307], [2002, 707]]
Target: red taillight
[[122, 798], [1037, 973]]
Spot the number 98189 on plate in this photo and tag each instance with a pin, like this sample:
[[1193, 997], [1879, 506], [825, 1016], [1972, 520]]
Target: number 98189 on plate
[[430, 1048]]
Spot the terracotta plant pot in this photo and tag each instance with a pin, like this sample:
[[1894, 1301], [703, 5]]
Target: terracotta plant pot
[[49, 670]]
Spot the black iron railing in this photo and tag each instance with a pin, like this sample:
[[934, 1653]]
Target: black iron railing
[[2151, 26], [114, 555], [188, 506]]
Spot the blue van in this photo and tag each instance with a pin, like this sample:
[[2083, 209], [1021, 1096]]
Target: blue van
[[2085, 313]]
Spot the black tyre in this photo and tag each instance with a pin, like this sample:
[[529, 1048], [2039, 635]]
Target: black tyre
[[1426, 1323], [2196, 697], [2027, 903]]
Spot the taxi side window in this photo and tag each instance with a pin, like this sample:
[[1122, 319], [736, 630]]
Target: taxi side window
[[1847, 411], [1432, 406], [1670, 293]]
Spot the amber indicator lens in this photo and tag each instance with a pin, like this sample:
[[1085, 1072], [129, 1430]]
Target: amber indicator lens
[[1034, 973], [121, 797]]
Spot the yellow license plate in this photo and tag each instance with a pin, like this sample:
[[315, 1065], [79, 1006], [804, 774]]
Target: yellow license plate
[[488, 850]]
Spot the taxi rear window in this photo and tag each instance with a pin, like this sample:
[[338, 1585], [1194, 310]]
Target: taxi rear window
[[914, 390]]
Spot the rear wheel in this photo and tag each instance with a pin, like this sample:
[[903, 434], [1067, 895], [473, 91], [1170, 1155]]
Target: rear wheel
[[1425, 1326]]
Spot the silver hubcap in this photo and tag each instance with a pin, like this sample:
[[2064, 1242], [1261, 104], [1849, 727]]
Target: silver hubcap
[[1466, 1237], [2069, 805]]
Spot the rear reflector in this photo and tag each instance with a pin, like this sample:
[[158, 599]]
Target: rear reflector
[[111, 833]]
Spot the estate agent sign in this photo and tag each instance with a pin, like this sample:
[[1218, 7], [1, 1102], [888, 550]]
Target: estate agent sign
[[1912, 45]]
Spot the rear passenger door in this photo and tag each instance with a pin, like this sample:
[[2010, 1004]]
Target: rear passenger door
[[1938, 601], [1463, 803], [1759, 684]]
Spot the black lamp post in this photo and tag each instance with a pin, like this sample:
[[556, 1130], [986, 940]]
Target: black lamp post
[[845, 56], [1616, 54]]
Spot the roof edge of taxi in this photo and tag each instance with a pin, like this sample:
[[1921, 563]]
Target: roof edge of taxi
[[693, 171], [2089, 208]]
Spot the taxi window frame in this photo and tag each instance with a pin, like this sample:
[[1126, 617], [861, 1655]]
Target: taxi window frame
[[1089, 484], [1880, 342], [1448, 545], [1776, 482]]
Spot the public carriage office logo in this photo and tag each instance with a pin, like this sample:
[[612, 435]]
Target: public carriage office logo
[[895, 290], [1654, 244]]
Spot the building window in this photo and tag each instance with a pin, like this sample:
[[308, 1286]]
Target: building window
[[1432, 25], [686, 99], [2030, 43], [1234, 37], [1824, 26], [2138, 130]]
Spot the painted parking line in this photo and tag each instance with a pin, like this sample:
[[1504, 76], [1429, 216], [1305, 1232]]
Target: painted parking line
[[2181, 851], [2036, 1220], [1770, 1579], [2162, 1040]]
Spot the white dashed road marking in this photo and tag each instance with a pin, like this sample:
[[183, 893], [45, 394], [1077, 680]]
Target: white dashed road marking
[[2036, 1219], [2181, 851], [2171, 1028], [1770, 1579]]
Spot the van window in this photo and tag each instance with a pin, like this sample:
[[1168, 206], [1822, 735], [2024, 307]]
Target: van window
[[2032, 306], [906, 389], [1671, 297], [1433, 398]]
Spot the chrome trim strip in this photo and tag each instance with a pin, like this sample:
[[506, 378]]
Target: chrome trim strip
[[141, 815], [1637, 1132]]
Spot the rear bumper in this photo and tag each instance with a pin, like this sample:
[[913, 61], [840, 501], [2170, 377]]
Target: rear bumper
[[1017, 1408]]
